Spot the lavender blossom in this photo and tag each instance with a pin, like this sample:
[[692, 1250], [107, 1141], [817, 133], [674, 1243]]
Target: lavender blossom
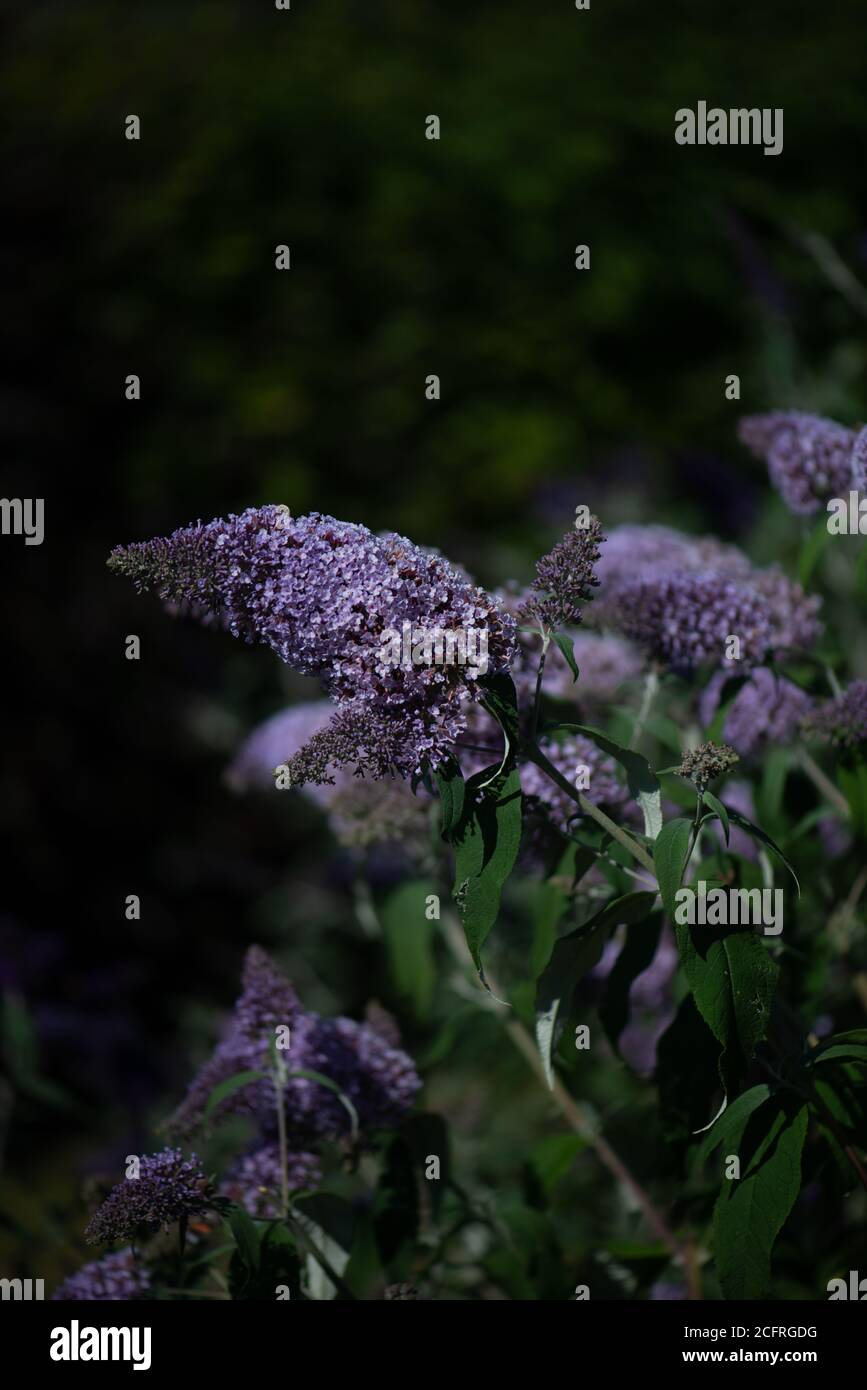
[[256, 1180], [328, 597], [767, 709], [683, 620], [566, 577], [680, 596], [842, 721], [379, 1081], [114, 1278], [809, 458], [168, 1187], [361, 811], [651, 1002]]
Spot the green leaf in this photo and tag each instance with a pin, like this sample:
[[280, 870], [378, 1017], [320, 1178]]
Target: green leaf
[[733, 1119], [567, 647], [329, 1222], [247, 1238], [501, 700], [637, 953], [409, 944], [759, 834], [486, 846], [552, 1158], [751, 1210], [396, 1204], [716, 805], [854, 1052], [670, 853], [573, 956], [553, 897], [642, 780], [687, 1076], [228, 1087], [452, 790], [732, 979]]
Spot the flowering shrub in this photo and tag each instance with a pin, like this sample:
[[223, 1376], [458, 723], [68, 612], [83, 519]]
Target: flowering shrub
[[588, 845]]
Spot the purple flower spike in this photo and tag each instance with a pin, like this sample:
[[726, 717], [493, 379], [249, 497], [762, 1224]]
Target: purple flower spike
[[398, 638], [842, 721], [809, 458], [377, 1079], [112, 1279], [168, 1187]]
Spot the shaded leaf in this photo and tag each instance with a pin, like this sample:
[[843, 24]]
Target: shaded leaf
[[573, 956], [750, 1210]]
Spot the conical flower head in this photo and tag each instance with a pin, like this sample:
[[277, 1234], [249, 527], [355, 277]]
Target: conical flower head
[[377, 1079], [809, 458], [166, 1187], [397, 637], [267, 1002]]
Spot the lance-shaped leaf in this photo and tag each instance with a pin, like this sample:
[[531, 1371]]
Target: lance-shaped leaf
[[732, 979], [486, 846], [637, 954], [750, 1210], [573, 956]]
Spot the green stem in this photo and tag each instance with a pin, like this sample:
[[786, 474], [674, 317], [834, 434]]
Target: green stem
[[638, 852], [279, 1083], [823, 783], [651, 685], [537, 697]]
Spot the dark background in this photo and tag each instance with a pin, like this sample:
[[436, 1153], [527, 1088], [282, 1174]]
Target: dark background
[[408, 257]]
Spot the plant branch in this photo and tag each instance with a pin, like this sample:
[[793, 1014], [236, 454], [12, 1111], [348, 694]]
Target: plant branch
[[589, 808], [823, 783]]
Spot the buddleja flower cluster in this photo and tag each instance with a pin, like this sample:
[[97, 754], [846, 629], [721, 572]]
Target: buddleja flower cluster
[[114, 1278], [324, 595], [378, 1079], [565, 578], [682, 598], [168, 1187], [366, 1083], [810, 459], [842, 721]]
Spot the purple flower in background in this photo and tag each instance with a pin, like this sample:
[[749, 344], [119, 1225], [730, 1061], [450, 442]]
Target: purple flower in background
[[600, 780], [767, 709], [835, 837], [680, 596], [809, 458], [379, 1080], [683, 620], [361, 811], [859, 461], [566, 577], [169, 1186], [114, 1278], [255, 1180], [333, 601], [842, 721], [651, 1002], [606, 662]]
